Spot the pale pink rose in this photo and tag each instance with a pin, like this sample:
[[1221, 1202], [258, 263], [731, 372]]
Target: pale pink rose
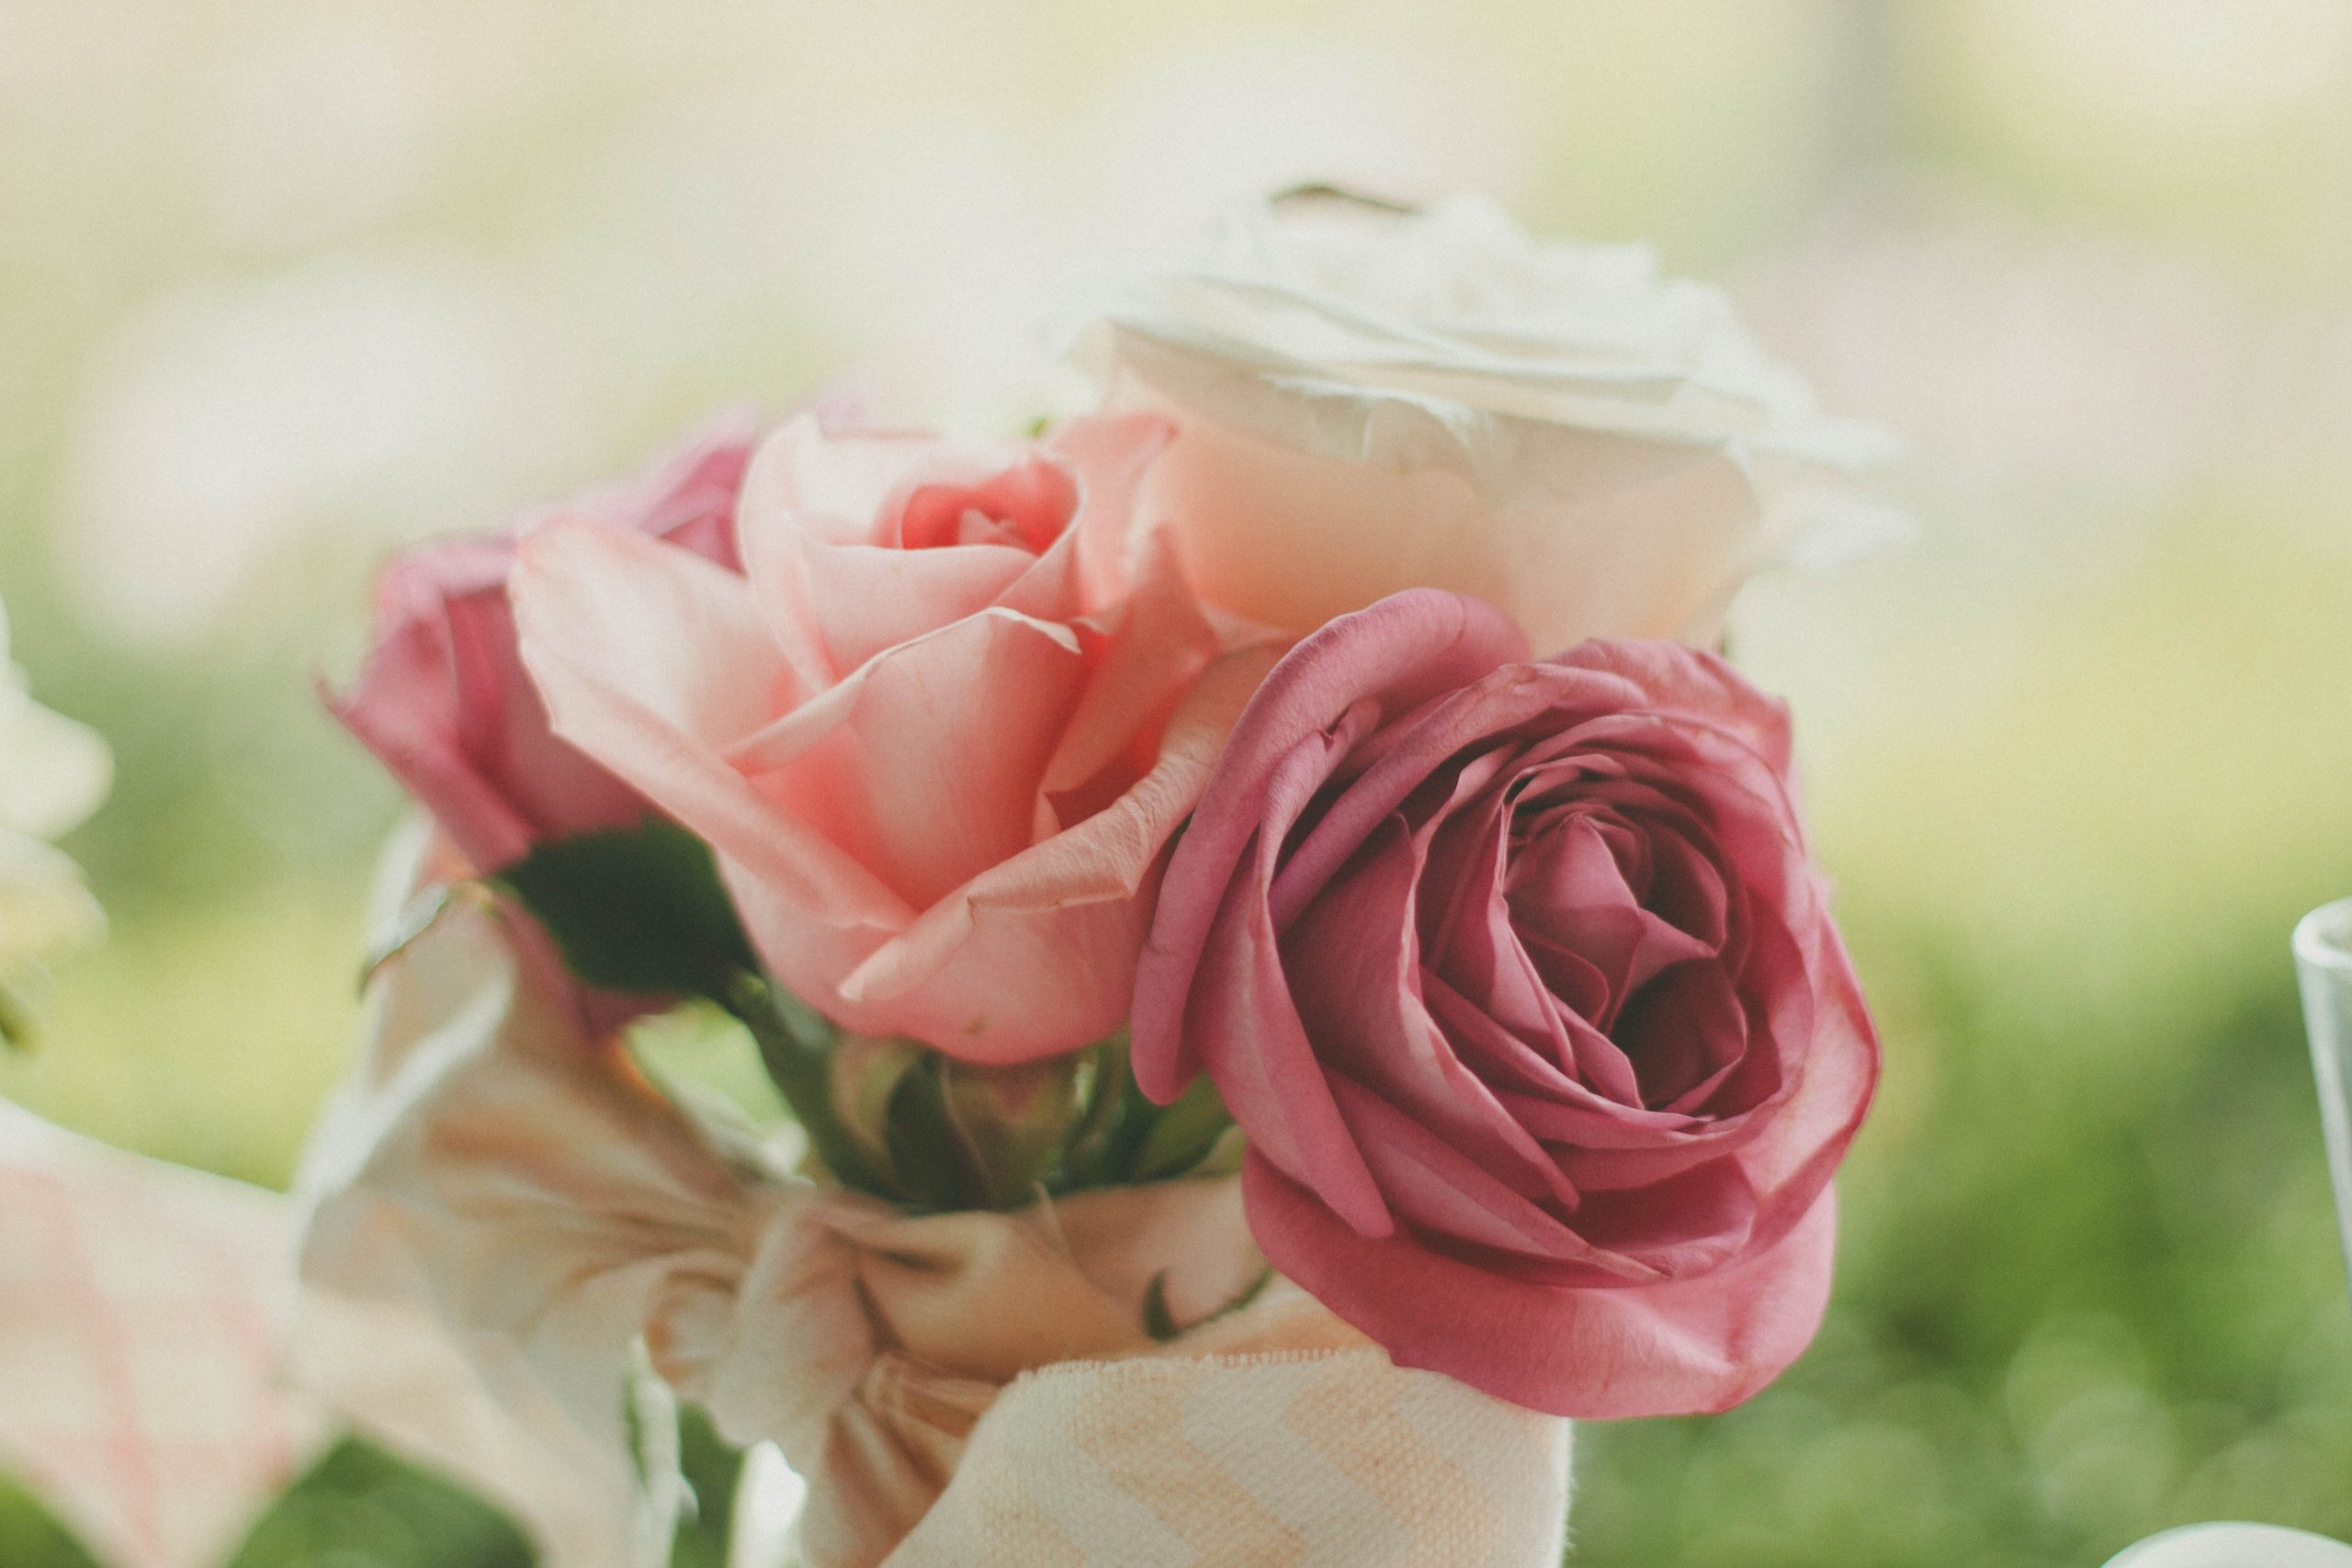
[[1369, 401], [939, 733], [1519, 982], [443, 699]]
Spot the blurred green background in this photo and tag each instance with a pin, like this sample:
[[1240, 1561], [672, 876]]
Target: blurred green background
[[283, 284]]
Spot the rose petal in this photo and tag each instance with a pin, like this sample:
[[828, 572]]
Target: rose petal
[[416, 741], [1704, 1344], [1355, 974], [503, 730], [922, 765], [1070, 912], [1435, 1187], [1697, 685], [1111, 457], [1675, 1228], [817, 525], [653, 662], [1157, 648], [1255, 1047], [1426, 642]]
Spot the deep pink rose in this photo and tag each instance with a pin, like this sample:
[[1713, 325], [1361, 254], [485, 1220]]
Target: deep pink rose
[[1519, 981], [443, 699], [939, 732]]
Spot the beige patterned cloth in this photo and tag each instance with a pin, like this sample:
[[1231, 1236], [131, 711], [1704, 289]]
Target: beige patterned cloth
[[141, 1310], [1315, 1460], [513, 1213]]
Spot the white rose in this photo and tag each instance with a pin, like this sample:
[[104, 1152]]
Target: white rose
[[1369, 399], [53, 772]]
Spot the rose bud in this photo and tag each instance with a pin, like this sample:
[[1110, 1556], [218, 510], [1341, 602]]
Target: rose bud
[[443, 699], [1012, 1123]]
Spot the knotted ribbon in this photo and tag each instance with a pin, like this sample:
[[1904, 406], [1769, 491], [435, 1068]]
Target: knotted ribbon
[[501, 1213]]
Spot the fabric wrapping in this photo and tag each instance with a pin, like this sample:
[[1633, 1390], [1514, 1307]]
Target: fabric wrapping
[[503, 1216], [141, 1305]]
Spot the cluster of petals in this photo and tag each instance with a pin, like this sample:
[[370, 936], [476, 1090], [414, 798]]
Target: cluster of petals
[[1521, 982], [939, 729]]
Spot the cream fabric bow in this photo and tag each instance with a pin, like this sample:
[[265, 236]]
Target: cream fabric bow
[[502, 1214]]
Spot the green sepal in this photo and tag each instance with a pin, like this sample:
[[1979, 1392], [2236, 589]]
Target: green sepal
[[1158, 1320], [1183, 1136], [928, 1157], [867, 1071], [637, 909], [1012, 1123]]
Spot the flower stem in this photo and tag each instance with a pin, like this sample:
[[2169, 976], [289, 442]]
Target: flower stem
[[795, 1045]]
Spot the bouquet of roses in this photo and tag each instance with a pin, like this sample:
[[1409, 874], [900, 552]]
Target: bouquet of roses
[[1292, 969]]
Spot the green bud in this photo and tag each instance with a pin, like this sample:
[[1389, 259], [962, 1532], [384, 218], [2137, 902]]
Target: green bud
[[868, 1073], [1012, 1123]]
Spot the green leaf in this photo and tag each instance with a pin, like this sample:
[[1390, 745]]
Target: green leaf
[[638, 910], [686, 1472], [1158, 1321], [713, 1471], [1184, 1135], [360, 1504], [642, 910], [29, 1538], [1116, 1126]]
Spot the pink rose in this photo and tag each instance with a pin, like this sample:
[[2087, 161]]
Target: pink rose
[[443, 699], [938, 734], [1519, 981]]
